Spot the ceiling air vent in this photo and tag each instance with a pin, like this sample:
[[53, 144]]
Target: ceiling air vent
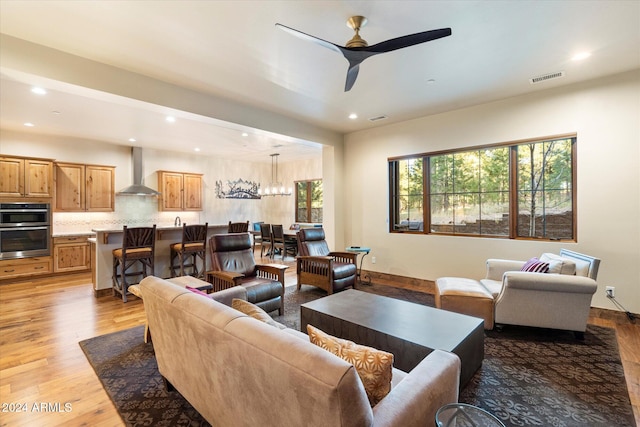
[[378, 118], [546, 77]]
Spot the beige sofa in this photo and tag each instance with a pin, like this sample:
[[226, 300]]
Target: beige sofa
[[238, 371], [559, 299]]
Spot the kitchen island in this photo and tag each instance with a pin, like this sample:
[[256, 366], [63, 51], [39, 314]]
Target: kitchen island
[[107, 240]]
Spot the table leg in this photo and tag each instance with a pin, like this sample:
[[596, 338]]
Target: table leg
[[359, 273]]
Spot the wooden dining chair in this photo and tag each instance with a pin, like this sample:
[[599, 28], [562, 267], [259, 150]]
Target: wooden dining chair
[[281, 243], [238, 227]]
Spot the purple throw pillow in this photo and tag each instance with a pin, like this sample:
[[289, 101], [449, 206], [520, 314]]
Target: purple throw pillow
[[534, 265], [197, 291]]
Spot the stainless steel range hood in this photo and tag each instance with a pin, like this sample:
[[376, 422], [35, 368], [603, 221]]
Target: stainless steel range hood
[[137, 188]]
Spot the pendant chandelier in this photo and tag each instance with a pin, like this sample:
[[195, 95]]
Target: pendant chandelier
[[275, 187]]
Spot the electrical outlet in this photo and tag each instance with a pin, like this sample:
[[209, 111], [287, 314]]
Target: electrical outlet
[[611, 291], [373, 260]]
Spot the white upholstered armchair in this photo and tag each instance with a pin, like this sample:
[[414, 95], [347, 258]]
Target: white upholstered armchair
[[560, 299]]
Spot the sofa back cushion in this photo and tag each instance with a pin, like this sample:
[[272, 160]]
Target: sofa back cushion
[[249, 371]]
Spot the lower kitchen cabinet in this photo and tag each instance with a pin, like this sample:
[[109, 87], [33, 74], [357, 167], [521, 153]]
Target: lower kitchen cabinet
[[14, 268], [71, 253]]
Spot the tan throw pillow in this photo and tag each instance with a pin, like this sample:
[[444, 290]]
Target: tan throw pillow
[[255, 312], [558, 264], [374, 367]]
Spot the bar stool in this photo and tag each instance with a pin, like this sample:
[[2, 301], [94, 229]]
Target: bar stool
[[138, 247], [193, 246]]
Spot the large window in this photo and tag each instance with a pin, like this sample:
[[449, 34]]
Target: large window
[[309, 201], [516, 190]]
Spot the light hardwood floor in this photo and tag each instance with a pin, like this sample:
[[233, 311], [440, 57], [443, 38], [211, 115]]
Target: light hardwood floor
[[42, 367]]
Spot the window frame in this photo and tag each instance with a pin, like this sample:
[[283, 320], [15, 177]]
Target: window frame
[[513, 189], [309, 200]]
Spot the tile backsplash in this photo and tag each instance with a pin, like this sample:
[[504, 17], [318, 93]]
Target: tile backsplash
[[132, 211]]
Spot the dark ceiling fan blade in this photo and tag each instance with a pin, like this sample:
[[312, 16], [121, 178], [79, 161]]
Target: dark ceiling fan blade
[[310, 38], [406, 41], [352, 74]]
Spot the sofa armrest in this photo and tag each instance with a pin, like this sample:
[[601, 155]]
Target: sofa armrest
[[226, 296], [414, 401], [548, 282], [497, 267], [346, 257]]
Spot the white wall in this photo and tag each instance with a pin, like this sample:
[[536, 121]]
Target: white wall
[[604, 113]]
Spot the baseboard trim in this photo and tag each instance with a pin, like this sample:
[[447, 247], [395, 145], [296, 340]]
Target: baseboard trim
[[421, 285]]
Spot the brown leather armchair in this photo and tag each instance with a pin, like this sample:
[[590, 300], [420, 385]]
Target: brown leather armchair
[[317, 266], [232, 264]]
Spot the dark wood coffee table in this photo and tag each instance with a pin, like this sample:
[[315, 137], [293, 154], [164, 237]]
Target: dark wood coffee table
[[409, 331]]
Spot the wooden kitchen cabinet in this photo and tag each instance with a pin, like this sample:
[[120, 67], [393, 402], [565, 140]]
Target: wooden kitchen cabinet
[[25, 177], [71, 253], [84, 188], [180, 191], [14, 268]]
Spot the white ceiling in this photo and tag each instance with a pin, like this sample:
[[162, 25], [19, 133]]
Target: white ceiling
[[232, 50]]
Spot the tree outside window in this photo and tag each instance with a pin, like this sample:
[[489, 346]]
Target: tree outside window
[[516, 190], [309, 201]]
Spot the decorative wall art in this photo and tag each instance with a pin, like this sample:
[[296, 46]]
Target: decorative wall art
[[238, 189]]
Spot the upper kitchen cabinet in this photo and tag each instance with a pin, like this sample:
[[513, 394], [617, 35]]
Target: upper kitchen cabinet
[[84, 188], [25, 177], [180, 191]]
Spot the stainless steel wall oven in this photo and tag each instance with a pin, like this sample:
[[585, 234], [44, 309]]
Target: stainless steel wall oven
[[25, 230]]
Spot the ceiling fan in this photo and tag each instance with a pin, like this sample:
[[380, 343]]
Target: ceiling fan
[[357, 49]]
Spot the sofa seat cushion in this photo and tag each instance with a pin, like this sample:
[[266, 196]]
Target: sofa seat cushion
[[374, 367], [494, 287]]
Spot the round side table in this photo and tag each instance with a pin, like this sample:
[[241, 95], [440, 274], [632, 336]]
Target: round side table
[[465, 415], [364, 251]]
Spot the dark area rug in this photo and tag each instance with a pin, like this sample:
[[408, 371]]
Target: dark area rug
[[530, 377]]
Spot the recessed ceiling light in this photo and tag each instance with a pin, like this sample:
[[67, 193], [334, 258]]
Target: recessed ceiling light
[[353, 116], [580, 56], [196, 149], [29, 124], [38, 91], [245, 134], [56, 112], [170, 119], [132, 140]]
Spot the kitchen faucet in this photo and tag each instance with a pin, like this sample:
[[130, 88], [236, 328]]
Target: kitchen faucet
[[177, 222]]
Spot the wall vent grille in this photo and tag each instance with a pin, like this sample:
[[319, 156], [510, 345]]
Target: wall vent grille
[[546, 77]]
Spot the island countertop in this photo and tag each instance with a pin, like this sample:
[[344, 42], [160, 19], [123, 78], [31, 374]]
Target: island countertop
[[103, 233], [108, 239]]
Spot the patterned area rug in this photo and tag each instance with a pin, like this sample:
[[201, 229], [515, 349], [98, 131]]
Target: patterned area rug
[[530, 377]]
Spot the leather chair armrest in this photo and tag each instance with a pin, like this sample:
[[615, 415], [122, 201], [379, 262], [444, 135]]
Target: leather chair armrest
[[548, 282], [223, 279], [497, 267], [348, 257], [272, 271]]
